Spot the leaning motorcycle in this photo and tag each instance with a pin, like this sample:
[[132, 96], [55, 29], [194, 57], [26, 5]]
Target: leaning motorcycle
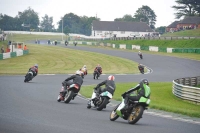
[[28, 76], [96, 74], [99, 102], [133, 112], [140, 56], [141, 68], [68, 94]]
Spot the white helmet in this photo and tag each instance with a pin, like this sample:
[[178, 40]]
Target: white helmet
[[84, 66], [111, 77], [78, 72]]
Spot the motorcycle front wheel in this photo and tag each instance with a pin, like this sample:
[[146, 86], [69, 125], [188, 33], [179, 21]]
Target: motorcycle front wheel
[[136, 114], [113, 114], [68, 96]]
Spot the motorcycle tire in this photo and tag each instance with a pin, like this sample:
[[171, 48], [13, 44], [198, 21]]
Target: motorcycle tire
[[136, 114], [113, 114], [102, 104], [59, 98], [68, 96]]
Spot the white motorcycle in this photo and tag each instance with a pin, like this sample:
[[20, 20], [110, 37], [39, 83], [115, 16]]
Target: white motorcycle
[[99, 102]]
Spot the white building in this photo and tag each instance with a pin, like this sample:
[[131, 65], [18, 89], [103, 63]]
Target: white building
[[107, 29]]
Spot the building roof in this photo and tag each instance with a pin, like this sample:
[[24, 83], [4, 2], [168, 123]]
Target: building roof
[[190, 20], [173, 25], [121, 26]]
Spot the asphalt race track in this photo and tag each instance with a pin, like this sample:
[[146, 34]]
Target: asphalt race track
[[33, 107]]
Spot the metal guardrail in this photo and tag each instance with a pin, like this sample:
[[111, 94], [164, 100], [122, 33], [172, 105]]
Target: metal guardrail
[[184, 89]]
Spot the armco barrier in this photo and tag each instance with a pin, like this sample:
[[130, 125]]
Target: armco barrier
[[184, 89]]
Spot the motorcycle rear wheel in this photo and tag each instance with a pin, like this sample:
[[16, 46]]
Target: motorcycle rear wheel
[[113, 114], [68, 96], [136, 114]]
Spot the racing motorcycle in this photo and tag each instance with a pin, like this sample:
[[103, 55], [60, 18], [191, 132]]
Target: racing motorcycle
[[141, 68], [68, 94], [140, 56], [133, 112], [28, 76], [96, 74], [99, 101]]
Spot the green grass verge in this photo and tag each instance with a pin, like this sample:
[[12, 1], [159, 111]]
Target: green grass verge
[[191, 43], [161, 98], [184, 33], [58, 60]]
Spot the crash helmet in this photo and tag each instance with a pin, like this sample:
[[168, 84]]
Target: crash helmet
[[36, 65], [144, 81], [111, 77], [78, 72]]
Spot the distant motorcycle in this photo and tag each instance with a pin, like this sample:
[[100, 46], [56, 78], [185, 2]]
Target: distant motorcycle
[[96, 74], [134, 111], [75, 43], [68, 94], [28, 76], [66, 43], [141, 68], [99, 102], [141, 57]]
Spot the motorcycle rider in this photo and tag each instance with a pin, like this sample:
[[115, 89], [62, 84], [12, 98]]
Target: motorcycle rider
[[34, 70], [109, 86], [141, 67], [98, 69], [84, 69], [143, 90], [76, 80], [139, 53]]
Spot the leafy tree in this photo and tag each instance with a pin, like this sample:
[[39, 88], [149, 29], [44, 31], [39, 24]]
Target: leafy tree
[[161, 29], [146, 14], [187, 8], [76, 24], [127, 18], [47, 23], [29, 18]]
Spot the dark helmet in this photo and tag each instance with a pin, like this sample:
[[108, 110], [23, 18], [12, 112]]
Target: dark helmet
[[145, 81]]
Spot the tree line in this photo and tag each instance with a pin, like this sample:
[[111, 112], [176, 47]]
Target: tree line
[[28, 20]]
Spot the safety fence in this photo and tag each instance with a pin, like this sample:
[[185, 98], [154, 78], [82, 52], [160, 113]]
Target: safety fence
[[142, 47], [185, 88], [13, 54]]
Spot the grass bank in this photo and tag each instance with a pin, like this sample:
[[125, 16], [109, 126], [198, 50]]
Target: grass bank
[[58, 60], [191, 43], [161, 98]]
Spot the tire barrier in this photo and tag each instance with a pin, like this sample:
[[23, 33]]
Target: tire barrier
[[185, 88]]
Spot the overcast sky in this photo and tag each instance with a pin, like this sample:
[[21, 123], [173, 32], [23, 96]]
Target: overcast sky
[[106, 10]]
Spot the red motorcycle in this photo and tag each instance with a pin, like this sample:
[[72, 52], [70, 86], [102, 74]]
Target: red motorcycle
[[68, 94]]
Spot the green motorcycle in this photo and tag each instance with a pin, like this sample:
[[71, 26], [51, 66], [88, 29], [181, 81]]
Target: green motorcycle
[[133, 112]]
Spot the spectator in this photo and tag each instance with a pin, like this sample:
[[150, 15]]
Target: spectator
[[55, 42], [2, 49], [25, 47]]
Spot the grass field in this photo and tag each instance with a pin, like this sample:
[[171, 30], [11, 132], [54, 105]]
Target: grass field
[[60, 60], [161, 98], [191, 43]]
